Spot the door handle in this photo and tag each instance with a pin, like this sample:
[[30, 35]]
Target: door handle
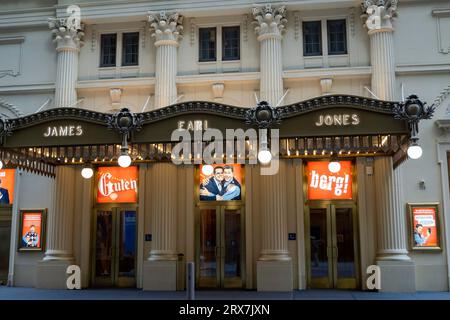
[[329, 255], [335, 251], [215, 251]]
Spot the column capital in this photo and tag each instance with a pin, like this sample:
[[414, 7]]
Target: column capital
[[378, 15], [166, 27], [67, 34], [270, 22]]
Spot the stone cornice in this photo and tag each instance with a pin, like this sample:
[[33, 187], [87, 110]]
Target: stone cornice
[[166, 27], [269, 21], [379, 14]]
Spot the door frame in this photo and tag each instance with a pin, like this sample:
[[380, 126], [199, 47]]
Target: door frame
[[6, 217], [330, 207], [114, 280], [220, 239]]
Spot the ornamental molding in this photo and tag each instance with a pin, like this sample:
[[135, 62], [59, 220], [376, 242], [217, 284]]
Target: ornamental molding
[[263, 116], [124, 121], [66, 34], [413, 110], [166, 27], [269, 21], [378, 14], [206, 107]]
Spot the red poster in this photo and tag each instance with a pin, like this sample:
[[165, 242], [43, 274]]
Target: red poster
[[7, 186], [425, 227], [32, 230], [326, 185], [117, 184]]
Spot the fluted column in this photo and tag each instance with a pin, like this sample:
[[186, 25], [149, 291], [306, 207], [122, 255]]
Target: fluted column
[[379, 15], [68, 39], [391, 219], [60, 220], [270, 23], [274, 244], [166, 28], [163, 211]]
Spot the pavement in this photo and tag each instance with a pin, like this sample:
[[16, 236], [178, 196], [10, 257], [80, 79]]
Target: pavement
[[18, 293]]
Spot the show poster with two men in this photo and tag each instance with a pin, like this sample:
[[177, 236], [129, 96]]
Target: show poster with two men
[[220, 182]]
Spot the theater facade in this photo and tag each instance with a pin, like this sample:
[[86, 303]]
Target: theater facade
[[341, 174]]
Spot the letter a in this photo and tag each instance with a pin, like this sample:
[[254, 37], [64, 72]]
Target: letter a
[[374, 280], [74, 280]]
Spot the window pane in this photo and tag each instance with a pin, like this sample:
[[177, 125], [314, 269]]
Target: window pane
[[207, 43], [337, 40], [130, 49], [108, 50], [230, 43], [312, 38]]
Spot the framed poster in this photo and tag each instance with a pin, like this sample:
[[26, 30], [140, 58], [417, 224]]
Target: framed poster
[[326, 185], [220, 182], [424, 226], [32, 229]]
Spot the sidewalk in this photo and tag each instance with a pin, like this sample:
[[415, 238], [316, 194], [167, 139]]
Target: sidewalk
[[15, 293]]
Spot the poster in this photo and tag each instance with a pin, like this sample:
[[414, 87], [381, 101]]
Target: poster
[[424, 226], [326, 185], [117, 184], [220, 182], [32, 229], [6, 186]]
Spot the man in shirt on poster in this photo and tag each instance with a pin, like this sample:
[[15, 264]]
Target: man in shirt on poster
[[231, 187], [213, 186], [31, 238], [4, 194], [419, 238]]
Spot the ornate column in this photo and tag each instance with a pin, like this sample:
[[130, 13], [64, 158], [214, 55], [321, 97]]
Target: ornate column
[[163, 212], [378, 15], [166, 28], [397, 269], [51, 271], [270, 23], [160, 269], [274, 266], [68, 39], [391, 217]]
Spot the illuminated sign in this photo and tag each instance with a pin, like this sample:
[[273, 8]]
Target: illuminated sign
[[32, 229], [117, 185], [63, 131], [344, 119], [7, 186], [326, 185]]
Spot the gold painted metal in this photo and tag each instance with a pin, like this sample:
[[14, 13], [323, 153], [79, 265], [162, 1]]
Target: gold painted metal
[[112, 280], [331, 279]]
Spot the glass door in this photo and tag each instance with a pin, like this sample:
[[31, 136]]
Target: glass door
[[331, 246], [5, 241], [220, 247], [115, 248]]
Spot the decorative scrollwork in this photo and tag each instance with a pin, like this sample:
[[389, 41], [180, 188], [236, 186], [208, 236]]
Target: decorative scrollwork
[[125, 122], [263, 115], [5, 128], [413, 110]]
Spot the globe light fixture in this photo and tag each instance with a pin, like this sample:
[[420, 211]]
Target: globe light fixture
[[124, 159], [264, 156], [414, 151], [207, 169], [87, 172], [334, 166]]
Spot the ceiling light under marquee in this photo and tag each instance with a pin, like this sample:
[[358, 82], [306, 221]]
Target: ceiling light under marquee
[[207, 169], [334, 166], [264, 156], [414, 151], [124, 160], [87, 172]]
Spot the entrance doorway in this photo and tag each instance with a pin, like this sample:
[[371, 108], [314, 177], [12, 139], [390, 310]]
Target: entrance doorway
[[114, 252], [220, 247], [331, 246], [5, 241]]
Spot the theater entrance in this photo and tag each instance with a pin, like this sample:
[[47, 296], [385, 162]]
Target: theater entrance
[[331, 245], [114, 250], [220, 246]]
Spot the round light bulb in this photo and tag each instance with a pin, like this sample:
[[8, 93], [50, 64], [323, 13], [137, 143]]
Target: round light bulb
[[87, 173], [124, 161], [334, 166], [1, 164], [207, 169], [264, 156], [414, 152]]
